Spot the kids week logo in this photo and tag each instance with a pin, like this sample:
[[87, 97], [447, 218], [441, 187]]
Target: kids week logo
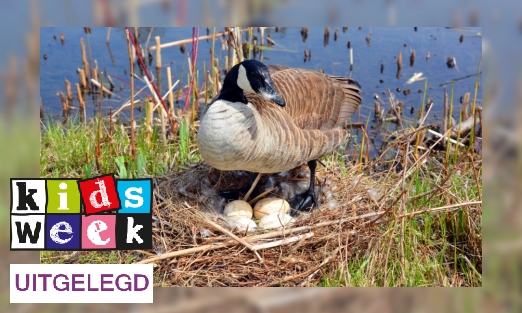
[[46, 214]]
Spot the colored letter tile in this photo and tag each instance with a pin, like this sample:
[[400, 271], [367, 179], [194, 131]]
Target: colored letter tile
[[63, 196], [99, 231], [27, 232], [63, 232], [99, 194], [28, 196], [134, 231], [135, 195]]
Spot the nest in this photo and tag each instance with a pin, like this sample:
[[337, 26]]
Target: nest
[[195, 246]]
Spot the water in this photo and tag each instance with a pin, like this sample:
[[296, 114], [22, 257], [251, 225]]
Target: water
[[385, 44]]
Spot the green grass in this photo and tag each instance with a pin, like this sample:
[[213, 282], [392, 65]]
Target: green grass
[[71, 151], [440, 249]]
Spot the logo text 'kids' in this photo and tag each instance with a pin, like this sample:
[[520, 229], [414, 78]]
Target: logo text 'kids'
[[46, 214]]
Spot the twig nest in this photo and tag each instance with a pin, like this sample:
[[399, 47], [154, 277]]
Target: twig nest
[[275, 220], [243, 223], [269, 206], [238, 208]]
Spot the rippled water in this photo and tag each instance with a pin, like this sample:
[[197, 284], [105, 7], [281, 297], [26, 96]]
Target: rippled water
[[332, 57]]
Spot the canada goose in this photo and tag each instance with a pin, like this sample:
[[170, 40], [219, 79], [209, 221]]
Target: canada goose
[[270, 119]]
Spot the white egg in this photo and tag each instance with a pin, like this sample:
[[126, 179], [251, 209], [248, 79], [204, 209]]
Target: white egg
[[275, 220], [243, 223], [269, 206], [238, 208]]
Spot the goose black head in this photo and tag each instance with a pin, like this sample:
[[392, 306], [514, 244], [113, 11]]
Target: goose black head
[[250, 76]]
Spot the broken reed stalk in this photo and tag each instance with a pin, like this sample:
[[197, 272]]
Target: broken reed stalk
[[69, 92], [453, 141], [179, 42], [110, 81], [81, 76], [377, 107], [253, 201], [473, 106], [236, 40], [82, 105], [459, 129], [445, 113], [229, 58], [399, 60], [158, 62], [206, 79], [192, 65], [465, 106], [282, 242], [107, 91], [251, 40], [361, 149], [420, 134], [80, 98], [450, 115], [86, 70], [95, 74], [63, 100], [245, 198], [171, 94], [129, 50], [98, 133], [162, 113], [213, 67], [108, 38]]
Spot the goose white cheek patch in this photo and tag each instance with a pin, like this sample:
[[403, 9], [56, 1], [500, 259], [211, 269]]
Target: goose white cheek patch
[[242, 80]]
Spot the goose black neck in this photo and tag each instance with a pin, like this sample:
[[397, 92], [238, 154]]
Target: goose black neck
[[232, 94], [230, 90]]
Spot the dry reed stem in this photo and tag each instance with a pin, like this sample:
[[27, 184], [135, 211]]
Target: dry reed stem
[[183, 41], [253, 201], [69, 91], [231, 235], [171, 94], [96, 83], [131, 62], [245, 198], [158, 52], [83, 81], [80, 98], [63, 100], [282, 241], [86, 69]]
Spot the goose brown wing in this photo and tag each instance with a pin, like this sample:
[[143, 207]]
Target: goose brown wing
[[315, 100], [276, 68]]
